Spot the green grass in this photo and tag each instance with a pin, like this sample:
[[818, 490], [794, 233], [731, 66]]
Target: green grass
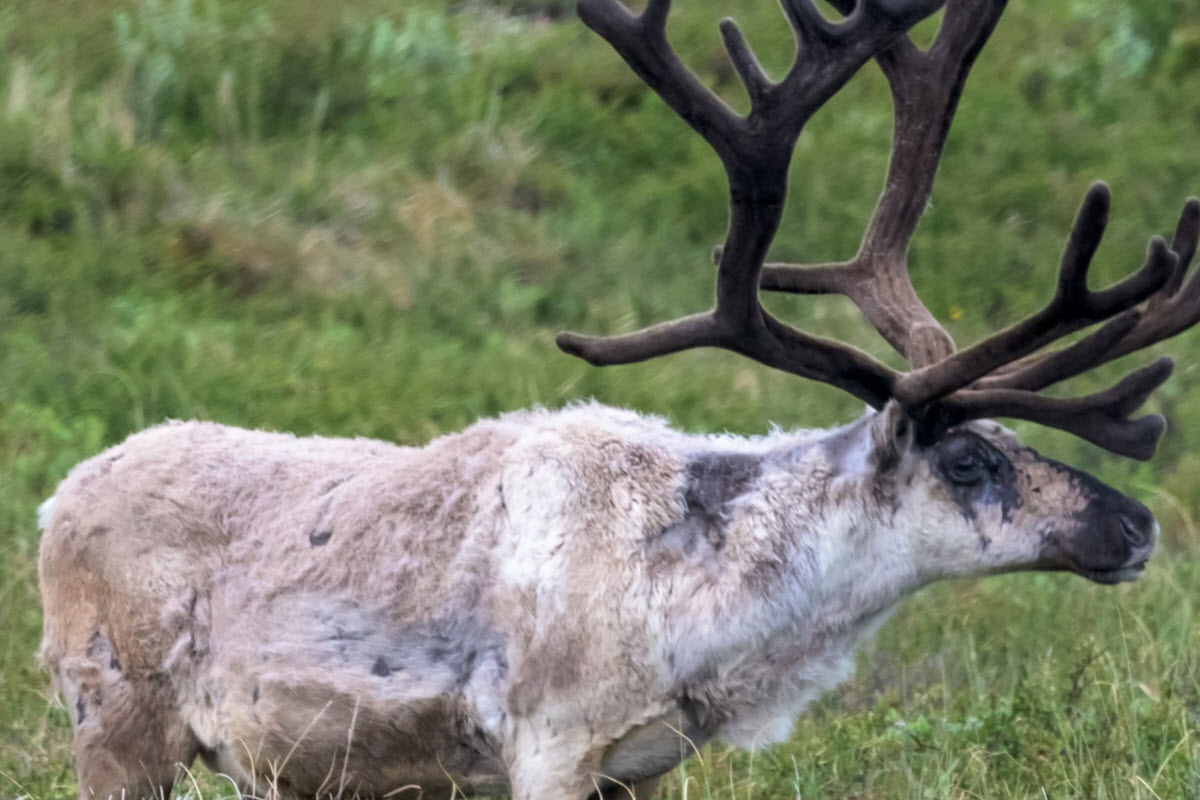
[[371, 218]]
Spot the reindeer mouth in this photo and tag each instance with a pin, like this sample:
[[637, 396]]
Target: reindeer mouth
[[1111, 577], [1108, 551]]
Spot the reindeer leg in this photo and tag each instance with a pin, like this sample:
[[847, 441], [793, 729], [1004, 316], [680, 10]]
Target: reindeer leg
[[550, 785], [547, 763], [130, 742]]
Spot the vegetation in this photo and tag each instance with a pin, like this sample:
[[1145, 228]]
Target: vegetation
[[370, 218]]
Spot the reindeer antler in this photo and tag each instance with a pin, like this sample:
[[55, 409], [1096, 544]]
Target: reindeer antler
[[998, 376]]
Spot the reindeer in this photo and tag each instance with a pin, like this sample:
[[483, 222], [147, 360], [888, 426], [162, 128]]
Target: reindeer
[[564, 604]]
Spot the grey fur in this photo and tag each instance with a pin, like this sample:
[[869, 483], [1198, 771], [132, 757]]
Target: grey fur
[[714, 481]]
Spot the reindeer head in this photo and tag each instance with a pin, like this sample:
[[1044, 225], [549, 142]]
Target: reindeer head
[[983, 498], [977, 501]]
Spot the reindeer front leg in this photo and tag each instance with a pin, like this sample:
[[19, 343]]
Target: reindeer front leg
[[548, 762]]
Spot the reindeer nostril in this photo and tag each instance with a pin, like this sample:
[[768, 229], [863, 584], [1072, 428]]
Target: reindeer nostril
[[1137, 532]]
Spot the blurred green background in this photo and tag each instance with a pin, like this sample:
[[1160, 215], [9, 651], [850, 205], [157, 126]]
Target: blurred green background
[[369, 218]]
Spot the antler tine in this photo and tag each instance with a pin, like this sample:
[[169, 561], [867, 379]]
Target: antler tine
[[1073, 307], [697, 330], [1173, 309], [1183, 244], [641, 40], [1101, 418], [752, 75], [1169, 311], [926, 88], [834, 278], [755, 151], [808, 23]]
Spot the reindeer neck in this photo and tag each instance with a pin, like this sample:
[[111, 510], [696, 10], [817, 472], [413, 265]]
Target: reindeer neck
[[806, 567], [800, 533]]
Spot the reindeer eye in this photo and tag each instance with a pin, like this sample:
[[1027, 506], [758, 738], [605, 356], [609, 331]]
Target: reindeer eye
[[965, 460], [966, 470], [975, 472]]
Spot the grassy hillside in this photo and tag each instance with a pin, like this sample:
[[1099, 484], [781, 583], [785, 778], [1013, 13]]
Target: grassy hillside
[[371, 218]]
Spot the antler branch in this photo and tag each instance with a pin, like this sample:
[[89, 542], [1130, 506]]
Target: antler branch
[[1169, 311], [641, 40], [1101, 418], [752, 75], [1073, 307]]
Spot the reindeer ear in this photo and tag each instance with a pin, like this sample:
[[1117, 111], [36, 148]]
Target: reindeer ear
[[891, 436]]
